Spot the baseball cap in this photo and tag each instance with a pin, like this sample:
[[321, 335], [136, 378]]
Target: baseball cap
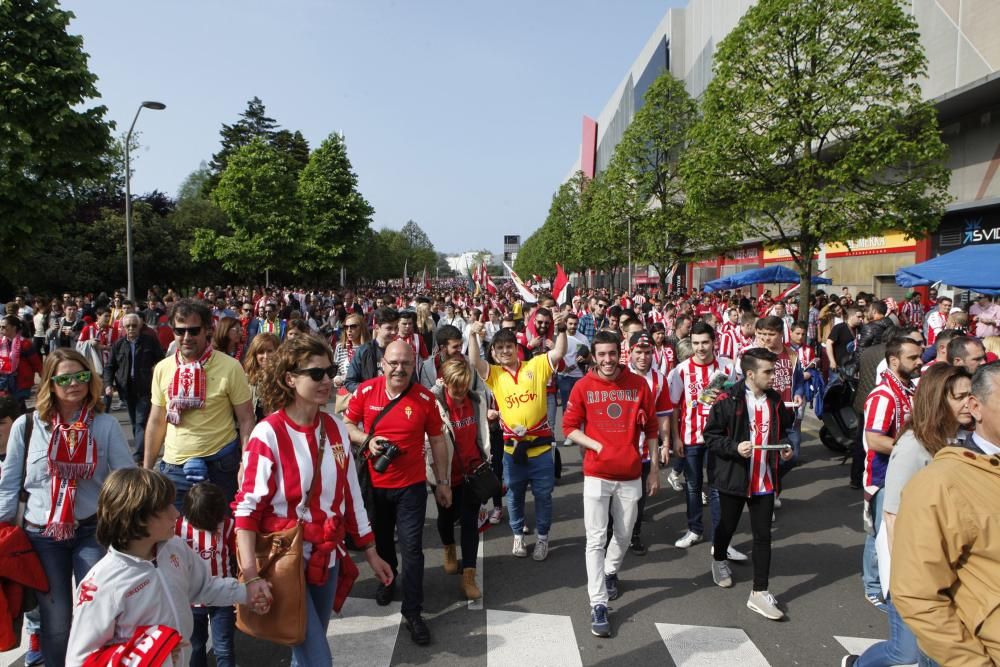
[[639, 339]]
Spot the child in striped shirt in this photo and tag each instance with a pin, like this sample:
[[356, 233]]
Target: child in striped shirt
[[208, 529]]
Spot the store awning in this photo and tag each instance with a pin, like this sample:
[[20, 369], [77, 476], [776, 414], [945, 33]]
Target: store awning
[[973, 267]]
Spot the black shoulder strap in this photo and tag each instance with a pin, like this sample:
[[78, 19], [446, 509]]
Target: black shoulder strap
[[385, 411], [29, 424]]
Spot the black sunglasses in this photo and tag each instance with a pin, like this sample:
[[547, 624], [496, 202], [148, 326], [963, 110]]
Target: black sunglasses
[[316, 374], [192, 331]]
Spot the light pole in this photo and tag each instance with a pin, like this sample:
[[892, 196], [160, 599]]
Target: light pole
[[156, 106]]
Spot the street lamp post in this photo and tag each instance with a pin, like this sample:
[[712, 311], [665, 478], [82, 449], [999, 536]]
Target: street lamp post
[[156, 106]]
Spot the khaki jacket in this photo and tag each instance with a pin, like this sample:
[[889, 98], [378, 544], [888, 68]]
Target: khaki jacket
[[946, 558]]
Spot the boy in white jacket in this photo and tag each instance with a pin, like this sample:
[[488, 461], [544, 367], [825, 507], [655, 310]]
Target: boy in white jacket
[[149, 576]]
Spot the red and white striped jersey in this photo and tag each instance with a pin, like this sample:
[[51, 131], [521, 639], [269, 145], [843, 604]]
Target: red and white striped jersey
[[936, 322], [686, 383], [663, 359], [726, 345], [278, 469], [661, 399], [760, 426], [887, 409], [216, 548], [655, 317]]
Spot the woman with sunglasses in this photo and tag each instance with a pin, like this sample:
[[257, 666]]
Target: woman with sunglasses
[[355, 334], [228, 337], [279, 464], [72, 448]]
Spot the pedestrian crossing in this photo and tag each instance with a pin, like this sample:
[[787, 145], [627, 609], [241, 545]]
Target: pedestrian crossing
[[365, 635]]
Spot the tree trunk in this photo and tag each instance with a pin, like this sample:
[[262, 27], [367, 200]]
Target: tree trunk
[[805, 266]]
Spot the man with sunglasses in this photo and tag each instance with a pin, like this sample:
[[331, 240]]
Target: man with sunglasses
[[367, 361], [130, 369], [269, 323], [195, 393], [590, 323]]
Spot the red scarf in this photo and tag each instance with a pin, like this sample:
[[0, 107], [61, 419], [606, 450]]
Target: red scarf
[[72, 457], [149, 646], [10, 354], [189, 387]]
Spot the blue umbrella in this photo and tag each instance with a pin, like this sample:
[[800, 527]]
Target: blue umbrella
[[973, 267]]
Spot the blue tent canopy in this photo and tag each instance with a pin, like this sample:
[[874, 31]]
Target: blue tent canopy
[[770, 274], [973, 267]]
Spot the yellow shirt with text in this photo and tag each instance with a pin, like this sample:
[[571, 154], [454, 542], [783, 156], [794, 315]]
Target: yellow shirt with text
[[521, 397]]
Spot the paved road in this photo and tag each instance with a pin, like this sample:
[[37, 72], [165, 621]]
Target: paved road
[[669, 612]]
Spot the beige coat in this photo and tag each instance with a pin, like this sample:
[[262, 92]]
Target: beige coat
[[946, 558]]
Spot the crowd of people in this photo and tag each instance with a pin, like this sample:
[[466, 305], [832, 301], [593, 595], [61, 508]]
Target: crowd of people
[[255, 411]]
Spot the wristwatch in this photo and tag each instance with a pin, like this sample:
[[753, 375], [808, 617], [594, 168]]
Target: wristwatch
[[444, 482]]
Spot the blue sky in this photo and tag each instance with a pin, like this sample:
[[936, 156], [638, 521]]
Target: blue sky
[[464, 116]]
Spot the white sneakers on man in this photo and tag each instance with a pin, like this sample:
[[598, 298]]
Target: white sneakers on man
[[519, 549], [688, 540]]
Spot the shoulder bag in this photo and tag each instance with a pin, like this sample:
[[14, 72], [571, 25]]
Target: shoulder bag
[[280, 562]]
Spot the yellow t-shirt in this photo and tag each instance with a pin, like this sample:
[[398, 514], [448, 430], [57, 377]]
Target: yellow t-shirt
[[521, 397], [204, 431]]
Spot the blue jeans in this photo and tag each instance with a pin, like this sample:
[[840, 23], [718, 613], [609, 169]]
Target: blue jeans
[[221, 472], [694, 462], [401, 513], [223, 621], [795, 440], [900, 649], [869, 562], [540, 471], [550, 410], [565, 384], [62, 560], [315, 650], [138, 415]]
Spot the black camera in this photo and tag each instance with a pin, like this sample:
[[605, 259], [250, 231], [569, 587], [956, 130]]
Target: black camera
[[389, 453]]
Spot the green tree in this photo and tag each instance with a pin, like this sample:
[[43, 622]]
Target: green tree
[[50, 144], [814, 129], [258, 195], [336, 214], [419, 249], [294, 145], [643, 188], [254, 123]]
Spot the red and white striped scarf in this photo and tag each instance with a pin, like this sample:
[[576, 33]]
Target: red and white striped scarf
[[10, 354], [72, 457], [189, 387]]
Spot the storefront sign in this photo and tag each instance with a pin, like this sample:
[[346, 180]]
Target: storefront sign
[[870, 245]]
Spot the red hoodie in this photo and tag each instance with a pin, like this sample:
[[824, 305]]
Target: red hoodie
[[613, 413]]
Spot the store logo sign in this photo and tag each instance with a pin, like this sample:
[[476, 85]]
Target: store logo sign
[[974, 233]]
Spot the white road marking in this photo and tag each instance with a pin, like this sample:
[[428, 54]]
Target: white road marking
[[856, 645], [365, 633], [707, 646], [530, 640]]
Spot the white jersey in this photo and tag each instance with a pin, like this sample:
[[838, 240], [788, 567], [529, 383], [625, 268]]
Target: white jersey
[[687, 381], [123, 592]]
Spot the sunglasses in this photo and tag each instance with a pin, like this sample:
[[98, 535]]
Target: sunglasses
[[316, 374], [542, 323], [191, 331], [351, 326], [66, 379]]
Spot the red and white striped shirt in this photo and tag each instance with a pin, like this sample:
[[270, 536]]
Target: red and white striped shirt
[[686, 383], [887, 408], [215, 547], [760, 427], [936, 322], [278, 469], [726, 345], [661, 399], [663, 359]]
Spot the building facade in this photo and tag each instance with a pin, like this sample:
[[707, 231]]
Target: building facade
[[963, 81]]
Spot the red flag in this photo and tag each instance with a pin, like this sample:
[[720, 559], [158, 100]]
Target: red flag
[[560, 288], [488, 284], [427, 281]]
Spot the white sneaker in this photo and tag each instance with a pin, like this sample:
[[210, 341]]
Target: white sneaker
[[777, 502], [541, 551], [519, 549], [675, 480], [688, 539], [764, 604], [732, 554]]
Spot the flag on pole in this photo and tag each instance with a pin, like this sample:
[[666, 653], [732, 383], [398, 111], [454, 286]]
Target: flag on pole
[[560, 288], [488, 285], [526, 294], [405, 264], [427, 280]]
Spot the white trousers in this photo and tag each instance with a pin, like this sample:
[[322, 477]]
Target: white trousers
[[601, 498]]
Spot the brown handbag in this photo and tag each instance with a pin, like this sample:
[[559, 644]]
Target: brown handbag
[[279, 558]]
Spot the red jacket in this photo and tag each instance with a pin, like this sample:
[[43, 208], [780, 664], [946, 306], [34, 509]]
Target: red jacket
[[31, 363], [20, 567], [614, 414]]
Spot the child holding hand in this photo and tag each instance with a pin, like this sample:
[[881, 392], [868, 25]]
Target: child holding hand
[[149, 576]]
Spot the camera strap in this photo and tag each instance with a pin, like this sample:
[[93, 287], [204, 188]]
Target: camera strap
[[389, 406]]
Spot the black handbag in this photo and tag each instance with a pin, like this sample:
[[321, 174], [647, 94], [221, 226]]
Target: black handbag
[[482, 482]]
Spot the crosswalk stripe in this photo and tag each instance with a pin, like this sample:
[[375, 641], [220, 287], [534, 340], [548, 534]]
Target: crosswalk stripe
[[530, 640], [706, 646], [365, 633], [857, 645]]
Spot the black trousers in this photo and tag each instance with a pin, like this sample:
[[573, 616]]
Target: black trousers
[[465, 509], [761, 508], [402, 511], [637, 529], [496, 458]]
